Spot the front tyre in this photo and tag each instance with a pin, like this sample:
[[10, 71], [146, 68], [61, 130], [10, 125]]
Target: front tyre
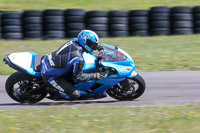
[[18, 85], [129, 89]]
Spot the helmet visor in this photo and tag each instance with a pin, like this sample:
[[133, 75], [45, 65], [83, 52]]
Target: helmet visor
[[92, 44]]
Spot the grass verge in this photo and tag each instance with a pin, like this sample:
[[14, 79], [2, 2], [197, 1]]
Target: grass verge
[[161, 53], [181, 119], [92, 4]]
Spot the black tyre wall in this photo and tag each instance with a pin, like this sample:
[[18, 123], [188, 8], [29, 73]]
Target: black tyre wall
[[75, 26], [196, 15], [33, 24], [160, 9], [12, 15], [74, 22], [138, 13], [139, 22], [181, 20], [54, 24], [12, 27], [181, 9], [33, 13], [97, 21], [53, 12], [119, 23], [59, 24], [159, 20], [0, 25], [74, 12]]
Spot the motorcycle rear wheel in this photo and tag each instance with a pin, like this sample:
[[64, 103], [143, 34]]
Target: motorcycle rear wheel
[[19, 83], [128, 90]]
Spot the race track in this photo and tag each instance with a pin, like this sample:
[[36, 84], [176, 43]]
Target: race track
[[163, 89]]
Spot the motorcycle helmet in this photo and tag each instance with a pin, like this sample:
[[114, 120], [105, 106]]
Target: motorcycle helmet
[[88, 40]]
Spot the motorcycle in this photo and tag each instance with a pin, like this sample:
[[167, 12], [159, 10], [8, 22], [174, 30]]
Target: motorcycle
[[120, 80]]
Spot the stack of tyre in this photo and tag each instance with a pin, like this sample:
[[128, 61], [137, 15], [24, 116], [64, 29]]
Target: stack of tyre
[[181, 20], [12, 25], [54, 24], [98, 22], [159, 20], [118, 23], [196, 12], [33, 24], [74, 22], [139, 22], [0, 26]]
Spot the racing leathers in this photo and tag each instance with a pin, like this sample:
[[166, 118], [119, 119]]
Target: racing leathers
[[65, 60]]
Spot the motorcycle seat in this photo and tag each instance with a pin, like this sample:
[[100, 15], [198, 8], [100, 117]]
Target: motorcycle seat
[[37, 62]]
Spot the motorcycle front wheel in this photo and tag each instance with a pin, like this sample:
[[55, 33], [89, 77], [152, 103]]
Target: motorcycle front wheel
[[129, 89], [18, 84]]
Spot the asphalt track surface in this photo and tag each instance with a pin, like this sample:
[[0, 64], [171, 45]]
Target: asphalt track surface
[[163, 89]]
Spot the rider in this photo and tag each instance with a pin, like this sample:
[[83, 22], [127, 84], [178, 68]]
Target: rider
[[69, 58]]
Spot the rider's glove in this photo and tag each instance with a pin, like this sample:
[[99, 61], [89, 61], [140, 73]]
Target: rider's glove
[[100, 47], [96, 76]]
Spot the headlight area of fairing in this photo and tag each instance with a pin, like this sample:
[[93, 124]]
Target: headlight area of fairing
[[123, 68]]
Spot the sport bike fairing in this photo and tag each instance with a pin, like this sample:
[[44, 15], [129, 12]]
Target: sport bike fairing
[[23, 61], [118, 59]]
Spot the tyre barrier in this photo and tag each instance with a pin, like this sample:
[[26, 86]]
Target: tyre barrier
[[118, 23], [139, 22], [98, 22], [74, 22], [0, 25], [33, 24], [159, 20], [60, 24], [12, 27], [54, 24], [196, 17], [181, 20]]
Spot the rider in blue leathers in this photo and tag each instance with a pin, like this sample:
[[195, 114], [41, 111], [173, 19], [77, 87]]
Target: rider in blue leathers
[[69, 59]]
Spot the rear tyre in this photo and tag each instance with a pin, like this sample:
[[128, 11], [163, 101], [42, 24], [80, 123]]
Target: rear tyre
[[128, 89], [19, 83]]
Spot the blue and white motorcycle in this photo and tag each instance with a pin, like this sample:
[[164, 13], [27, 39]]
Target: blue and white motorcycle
[[121, 81]]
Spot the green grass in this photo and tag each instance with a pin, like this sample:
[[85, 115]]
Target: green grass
[[161, 53], [92, 4], [182, 119]]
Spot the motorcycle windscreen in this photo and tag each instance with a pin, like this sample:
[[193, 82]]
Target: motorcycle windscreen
[[116, 58]]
